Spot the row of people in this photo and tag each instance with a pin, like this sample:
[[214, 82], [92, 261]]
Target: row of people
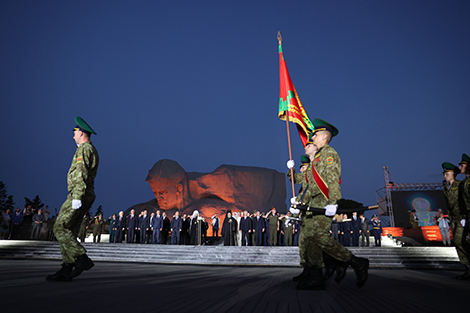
[[17, 225], [257, 229], [156, 228], [248, 229], [355, 231]]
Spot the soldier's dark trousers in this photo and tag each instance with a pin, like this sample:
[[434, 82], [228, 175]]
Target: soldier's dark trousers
[[461, 244]]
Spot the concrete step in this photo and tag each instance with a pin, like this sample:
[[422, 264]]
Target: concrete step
[[379, 257]]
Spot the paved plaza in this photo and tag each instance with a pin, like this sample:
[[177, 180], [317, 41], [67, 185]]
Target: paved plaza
[[142, 287]]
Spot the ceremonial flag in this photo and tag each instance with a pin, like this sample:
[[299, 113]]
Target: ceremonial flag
[[289, 102]]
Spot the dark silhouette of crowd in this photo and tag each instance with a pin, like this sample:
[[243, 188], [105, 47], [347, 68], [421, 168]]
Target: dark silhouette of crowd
[[29, 223]]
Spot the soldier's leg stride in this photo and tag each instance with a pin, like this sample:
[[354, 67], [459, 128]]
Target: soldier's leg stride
[[330, 266], [64, 274], [305, 273], [340, 271], [361, 267], [83, 263], [314, 281], [466, 274]]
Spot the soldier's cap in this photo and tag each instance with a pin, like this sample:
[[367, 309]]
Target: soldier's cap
[[465, 159], [319, 125], [449, 167], [304, 160], [83, 126]]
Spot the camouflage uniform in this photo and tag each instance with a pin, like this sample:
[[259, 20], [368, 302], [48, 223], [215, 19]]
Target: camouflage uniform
[[80, 180], [314, 235], [300, 178], [460, 210]]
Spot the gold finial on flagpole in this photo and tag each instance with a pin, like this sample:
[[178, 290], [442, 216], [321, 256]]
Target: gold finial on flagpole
[[279, 37]]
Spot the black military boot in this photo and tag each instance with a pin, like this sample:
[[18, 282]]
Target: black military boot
[[64, 274], [466, 274], [341, 268], [305, 273], [330, 266], [314, 281], [83, 263], [360, 266]]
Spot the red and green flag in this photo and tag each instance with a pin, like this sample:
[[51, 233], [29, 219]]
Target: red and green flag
[[289, 102]]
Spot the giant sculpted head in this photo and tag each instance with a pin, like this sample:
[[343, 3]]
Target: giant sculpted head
[[169, 184]]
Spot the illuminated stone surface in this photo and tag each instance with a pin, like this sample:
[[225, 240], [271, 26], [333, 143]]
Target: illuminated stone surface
[[231, 187]]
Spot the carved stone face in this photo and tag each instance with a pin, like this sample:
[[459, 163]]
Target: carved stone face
[[168, 195]]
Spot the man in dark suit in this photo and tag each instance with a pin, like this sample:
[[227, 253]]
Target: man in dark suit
[[165, 228], [176, 225], [151, 229], [365, 230], [144, 226], [132, 223], [246, 225], [185, 230], [355, 229], [258, 228], [157, 224], [119, 227]]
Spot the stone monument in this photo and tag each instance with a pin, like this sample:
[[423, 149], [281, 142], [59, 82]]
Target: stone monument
[[237, 188]]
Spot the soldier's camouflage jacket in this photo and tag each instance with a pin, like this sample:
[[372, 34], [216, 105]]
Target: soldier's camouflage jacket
[[328, 166], [82, 172]]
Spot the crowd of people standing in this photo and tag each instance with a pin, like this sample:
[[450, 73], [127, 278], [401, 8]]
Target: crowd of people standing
[[28, 223]]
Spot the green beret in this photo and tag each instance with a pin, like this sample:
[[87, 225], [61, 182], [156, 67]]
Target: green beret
[[83, 126], [465, 159], [449, 167], [304, 160], [319, 124]]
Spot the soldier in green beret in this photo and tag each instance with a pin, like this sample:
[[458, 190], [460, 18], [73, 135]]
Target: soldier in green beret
[[461, 222], [80, 181], [323, 178]]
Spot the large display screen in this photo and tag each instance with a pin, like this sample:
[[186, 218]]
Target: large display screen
[[426, 204]]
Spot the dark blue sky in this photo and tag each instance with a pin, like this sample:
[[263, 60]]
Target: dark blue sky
[[198, 82]]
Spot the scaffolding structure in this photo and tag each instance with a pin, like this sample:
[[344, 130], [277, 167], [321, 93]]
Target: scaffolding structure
[[384, 195]]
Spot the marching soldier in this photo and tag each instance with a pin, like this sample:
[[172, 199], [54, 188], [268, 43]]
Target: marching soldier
[[460, 217], [80, 181], [323, 178]]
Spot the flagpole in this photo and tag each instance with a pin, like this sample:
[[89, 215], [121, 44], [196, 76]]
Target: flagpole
[[279, 38]]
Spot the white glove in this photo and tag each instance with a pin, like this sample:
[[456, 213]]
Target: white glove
[[330, 209], [294, 211], [293, 201], [76, 204], [462, 222], [290, 164]]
